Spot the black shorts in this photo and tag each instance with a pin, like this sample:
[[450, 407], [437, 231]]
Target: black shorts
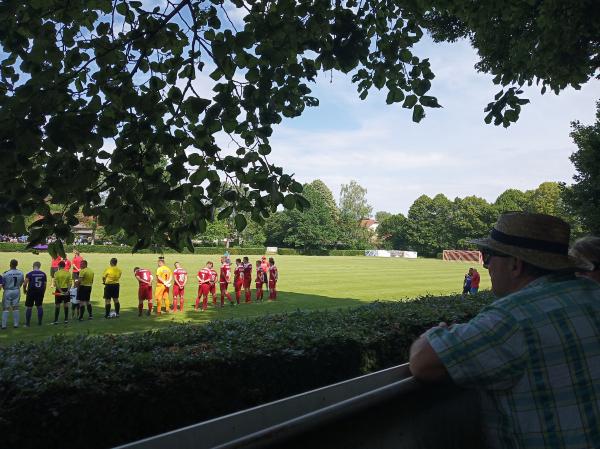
[[75, 275], [111, 291], [84, 293], [53, 270], [62, 296], [32, 298]]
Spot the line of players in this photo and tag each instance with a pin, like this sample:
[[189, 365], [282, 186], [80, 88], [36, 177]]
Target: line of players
[[266, 275], [75, 288]]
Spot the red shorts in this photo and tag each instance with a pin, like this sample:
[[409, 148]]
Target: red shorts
[[272, 283], [203, 289], [259, 285], [145, 292], [238, 285], [213, 289], [178, 291], [223, 286], [247, 282]]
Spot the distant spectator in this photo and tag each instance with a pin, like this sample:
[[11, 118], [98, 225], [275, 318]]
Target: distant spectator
[[467, 283], [475, 278], [588, 249]]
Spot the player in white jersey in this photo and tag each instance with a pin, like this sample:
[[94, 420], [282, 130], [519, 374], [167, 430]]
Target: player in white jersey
[[11, 281]]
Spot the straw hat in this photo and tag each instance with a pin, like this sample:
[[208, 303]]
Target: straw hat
[[539, 239]]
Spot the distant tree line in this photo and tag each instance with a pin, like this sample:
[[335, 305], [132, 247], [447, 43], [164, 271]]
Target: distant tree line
[[435, 224]]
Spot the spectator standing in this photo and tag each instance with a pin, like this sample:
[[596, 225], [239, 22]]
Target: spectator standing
[[111, 278], [475, 279], [588, 249], [534, 353], [34, 288], [12, 280], [62, 283], [467, 283], [85, 281]]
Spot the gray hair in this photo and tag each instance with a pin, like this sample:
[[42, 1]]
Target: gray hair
[[588, 249]]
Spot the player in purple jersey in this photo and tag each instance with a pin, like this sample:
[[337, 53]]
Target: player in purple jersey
[[34, 288]]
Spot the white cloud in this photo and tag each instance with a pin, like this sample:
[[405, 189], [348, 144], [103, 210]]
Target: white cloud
[[451, 151]]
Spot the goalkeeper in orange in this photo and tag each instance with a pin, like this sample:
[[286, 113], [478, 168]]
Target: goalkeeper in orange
[[164, 279]]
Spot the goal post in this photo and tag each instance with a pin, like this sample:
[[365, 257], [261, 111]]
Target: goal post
[[457, 255]]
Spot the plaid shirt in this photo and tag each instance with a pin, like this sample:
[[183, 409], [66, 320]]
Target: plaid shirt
[[535, 357]]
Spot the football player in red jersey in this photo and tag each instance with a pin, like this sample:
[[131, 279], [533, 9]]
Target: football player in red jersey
[[247, 279], [180, 277], [203, 286], [260, 280], [213, 283], [224, 279], [273, 276], [238, 279], [144, 278]]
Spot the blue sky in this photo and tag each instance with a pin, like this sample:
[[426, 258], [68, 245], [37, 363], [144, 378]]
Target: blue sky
[[452, 151]]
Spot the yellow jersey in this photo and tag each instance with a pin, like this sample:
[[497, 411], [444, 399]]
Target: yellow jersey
[[164, 275], [111, 275], [86, 277], [62, 279]]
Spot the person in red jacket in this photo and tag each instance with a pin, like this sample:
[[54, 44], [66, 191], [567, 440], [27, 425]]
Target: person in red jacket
[[475, 278]]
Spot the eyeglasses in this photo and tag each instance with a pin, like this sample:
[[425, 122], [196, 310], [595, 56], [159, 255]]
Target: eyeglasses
[[488, 254]]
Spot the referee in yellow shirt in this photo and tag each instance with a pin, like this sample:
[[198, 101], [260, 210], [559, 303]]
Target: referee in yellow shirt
[[110, 279], [62, 283]]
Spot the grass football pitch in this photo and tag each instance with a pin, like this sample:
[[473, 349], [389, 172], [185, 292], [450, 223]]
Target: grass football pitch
[[305, 283]]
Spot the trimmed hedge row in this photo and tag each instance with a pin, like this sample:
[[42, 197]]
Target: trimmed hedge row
[[116, 249], [320, 252], [147, 383]]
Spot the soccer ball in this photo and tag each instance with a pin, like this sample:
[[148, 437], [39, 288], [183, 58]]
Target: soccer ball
[[112, 314]]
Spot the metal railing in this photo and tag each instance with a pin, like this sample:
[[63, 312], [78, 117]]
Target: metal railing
[[385, 409]]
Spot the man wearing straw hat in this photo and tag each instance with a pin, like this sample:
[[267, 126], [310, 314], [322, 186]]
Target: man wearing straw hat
[[534, 353]]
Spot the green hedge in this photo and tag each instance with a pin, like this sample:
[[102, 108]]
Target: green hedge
[[116, 249], [320, 252], [146, 383]]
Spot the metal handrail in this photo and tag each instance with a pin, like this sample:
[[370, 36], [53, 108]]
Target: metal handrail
[[281, 420]]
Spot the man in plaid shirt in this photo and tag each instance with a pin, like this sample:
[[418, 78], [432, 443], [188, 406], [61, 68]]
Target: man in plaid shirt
[[534, 354]]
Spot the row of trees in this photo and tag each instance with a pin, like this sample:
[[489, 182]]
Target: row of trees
[[435, 224], [323, 225]]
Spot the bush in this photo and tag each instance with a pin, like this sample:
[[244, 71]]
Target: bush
[[347, 252], [287, 252], [117, 249], [320, 252], [189, 373]]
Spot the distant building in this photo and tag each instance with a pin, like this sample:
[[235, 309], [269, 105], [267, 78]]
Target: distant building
[[369, 223]]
